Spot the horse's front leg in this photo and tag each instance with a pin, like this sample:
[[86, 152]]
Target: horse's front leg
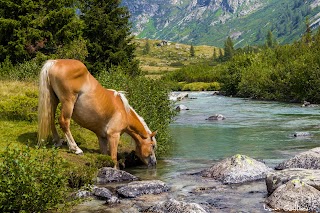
[[113, 140]]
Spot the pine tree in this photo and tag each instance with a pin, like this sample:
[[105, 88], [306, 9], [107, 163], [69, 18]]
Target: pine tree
[[28, 27], [107, 31], [228, 49], [270, 41], [308, 34], [192, 51], [146, 49]]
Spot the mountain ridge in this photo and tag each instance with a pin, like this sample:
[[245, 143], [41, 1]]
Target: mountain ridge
[[210, 22]]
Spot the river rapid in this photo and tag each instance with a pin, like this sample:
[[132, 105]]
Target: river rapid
[[259, 129]]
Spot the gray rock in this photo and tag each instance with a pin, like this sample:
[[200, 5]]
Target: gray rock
[[181, 107], [174, 206], [107, 175], [307, 160], [216, 117], [308, 104], [295, 196], [113, 200], [277, 178], [138, 188], [81, 194], [302, 134], [102, 193], [237, 169], [182, 96]]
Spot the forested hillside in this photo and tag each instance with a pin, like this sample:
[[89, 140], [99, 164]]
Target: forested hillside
[[211, 22]]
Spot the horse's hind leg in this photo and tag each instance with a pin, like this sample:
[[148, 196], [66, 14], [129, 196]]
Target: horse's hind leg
[[64, 120]]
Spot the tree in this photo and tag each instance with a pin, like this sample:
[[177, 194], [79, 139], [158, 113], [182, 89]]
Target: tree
[[29, 27], [107, 31], [228, 49], [270, 40], [192, 51], [146, 49], [308, 34]]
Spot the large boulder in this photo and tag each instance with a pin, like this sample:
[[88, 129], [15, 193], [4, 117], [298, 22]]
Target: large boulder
[[307, 160], [174, 206], [138, 188], [237, 169], [277, 178], [295, 196], [108, 175]]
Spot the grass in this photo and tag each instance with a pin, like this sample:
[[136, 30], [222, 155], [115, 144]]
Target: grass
[[20, 133], [163, 59]]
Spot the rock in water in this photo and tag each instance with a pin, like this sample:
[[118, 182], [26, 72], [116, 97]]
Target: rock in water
[[307, 160], [181, 107], [302, 134], [295, 196], [102, 193], [237, 169], [108, 174], [173, 206], [216, 117], [138, 188], [277, 178]]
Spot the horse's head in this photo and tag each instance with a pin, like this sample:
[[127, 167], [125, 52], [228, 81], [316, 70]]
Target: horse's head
[[145, 149]]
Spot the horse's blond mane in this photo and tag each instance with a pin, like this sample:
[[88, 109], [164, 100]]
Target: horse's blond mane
[[128, 108]]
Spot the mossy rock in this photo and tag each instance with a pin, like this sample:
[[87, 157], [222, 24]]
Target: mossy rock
[[295, 196], [237, 169]]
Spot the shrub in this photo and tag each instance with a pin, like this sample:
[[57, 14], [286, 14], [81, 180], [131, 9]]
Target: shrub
[[201, 86], [31, 182], [20, 107], [80, 176], [24, 71]]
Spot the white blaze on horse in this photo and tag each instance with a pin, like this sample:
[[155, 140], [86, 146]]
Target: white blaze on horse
[[103, 111]]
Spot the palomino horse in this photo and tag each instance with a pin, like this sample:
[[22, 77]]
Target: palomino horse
[[103, 111]]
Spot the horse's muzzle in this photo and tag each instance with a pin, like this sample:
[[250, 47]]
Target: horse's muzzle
[[152, 161]]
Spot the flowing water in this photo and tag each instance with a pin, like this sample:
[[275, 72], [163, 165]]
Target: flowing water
[[259, 129]]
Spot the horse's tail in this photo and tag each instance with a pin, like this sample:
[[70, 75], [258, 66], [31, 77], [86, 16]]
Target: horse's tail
[[45, 111]]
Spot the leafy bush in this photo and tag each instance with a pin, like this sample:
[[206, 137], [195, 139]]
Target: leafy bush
[[201, 86], [23, 71], [20, 107], [80, 176], [31, 182], [149, 98]]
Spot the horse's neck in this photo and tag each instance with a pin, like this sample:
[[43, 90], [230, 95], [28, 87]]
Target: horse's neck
[[136, 127]]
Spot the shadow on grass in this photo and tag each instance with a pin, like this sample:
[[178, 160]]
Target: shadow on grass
[[28, 138], [31, 139]]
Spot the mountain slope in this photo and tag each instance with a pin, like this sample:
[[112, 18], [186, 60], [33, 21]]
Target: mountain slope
[[211, 21]]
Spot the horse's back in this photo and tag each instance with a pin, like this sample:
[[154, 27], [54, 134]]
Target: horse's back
[[69, 76]]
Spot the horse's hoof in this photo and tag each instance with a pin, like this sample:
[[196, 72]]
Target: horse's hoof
[[59, 143], [79, 152]]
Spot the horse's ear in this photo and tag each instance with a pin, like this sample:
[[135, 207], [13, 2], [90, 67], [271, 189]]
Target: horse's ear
[[153, 133]]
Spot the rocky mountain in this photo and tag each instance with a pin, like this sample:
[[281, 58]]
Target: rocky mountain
[[212, 21]]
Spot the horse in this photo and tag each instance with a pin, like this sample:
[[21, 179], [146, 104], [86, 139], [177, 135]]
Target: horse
[[105, 112]]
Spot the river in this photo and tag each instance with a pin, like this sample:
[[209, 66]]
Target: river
[[259, 129]]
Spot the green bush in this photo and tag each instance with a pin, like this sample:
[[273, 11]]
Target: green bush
[[31, 182], [24, 71], [80, 176], [20, 107], [201, 86], [149, 98]]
